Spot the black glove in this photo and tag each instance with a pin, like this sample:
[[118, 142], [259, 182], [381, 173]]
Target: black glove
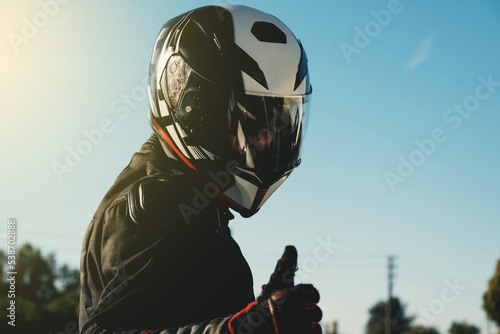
[[282, 277], [290, 310]]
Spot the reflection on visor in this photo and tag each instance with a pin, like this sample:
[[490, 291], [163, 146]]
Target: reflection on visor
[[266, 133]]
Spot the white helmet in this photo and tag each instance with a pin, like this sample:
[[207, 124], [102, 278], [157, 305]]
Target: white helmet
[[229, 94]]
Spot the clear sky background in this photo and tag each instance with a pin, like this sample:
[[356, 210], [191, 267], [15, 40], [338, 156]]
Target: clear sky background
[[376, 94]]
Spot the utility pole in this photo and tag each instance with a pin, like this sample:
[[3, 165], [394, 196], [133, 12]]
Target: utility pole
[[390, 268]]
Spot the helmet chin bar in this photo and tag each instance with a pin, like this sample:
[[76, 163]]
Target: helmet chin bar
[[252, 195], [245, 191], [242, 190]]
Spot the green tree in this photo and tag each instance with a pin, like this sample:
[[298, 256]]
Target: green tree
[[3, 271], [67, 301], [36, 275], [419, 329], [69, 278], [491, 298], [46, 296], [463, 328], [400, 322]]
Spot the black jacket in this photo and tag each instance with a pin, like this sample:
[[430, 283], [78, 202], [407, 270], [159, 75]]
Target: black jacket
[[144, 268]]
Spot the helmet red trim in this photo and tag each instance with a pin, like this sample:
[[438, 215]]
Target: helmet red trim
[[169, 142]]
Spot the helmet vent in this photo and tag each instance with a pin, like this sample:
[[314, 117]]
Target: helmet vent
[[268, 32]]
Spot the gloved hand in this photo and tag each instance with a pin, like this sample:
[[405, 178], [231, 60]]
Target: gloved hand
[[281, 308], [282, 277]]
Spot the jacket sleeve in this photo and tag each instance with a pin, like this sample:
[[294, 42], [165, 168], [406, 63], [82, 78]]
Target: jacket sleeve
[[214, 326]]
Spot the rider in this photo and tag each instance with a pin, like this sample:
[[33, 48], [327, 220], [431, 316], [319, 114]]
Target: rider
[[229, 96]]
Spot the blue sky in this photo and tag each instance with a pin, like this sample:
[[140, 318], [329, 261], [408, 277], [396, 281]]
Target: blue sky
[[83, 66]]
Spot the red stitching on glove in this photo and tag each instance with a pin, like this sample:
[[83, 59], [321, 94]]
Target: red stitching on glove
[[271, 308], [245, 310]]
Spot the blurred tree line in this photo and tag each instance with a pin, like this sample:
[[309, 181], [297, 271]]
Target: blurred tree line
[[46, 295], [401, 323]]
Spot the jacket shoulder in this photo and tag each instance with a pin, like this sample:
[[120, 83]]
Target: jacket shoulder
[[156, 199]]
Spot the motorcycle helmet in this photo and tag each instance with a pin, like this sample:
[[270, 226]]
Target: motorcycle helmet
[[229, 95]]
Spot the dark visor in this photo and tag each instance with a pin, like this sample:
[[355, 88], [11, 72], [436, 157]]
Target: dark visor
[[263, 133], [266, 133]]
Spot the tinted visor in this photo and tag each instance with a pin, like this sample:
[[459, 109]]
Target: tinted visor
[[259, 133], [266, 133]]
